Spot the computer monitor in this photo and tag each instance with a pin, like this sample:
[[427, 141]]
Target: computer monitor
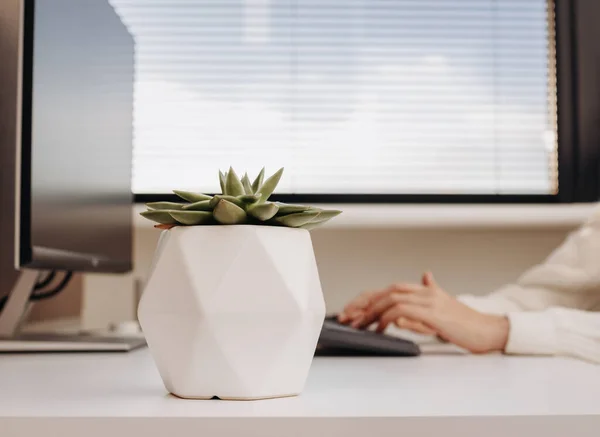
[[66, 110]]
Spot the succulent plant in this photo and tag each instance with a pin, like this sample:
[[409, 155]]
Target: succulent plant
[[241, 202]]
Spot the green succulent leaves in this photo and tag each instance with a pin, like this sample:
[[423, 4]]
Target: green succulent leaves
[[203, 205], [163, 217], [191, 218], [192, 197], [166, 205], [241, 202], [263, 211], [258, 181], [269, 186], [233, 185], [247, 185]]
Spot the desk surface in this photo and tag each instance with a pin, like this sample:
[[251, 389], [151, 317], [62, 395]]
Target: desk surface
[[344, 396]]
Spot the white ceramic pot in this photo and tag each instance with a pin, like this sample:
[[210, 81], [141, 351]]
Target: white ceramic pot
[[233, 311]]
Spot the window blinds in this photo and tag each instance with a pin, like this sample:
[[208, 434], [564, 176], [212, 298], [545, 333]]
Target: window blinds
[[350, 96]]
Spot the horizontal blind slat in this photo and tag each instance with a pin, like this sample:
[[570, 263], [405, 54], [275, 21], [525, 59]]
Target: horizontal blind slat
[[364, 96]]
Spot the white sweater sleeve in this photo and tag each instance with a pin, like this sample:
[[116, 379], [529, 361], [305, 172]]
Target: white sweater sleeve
[[550, 307]]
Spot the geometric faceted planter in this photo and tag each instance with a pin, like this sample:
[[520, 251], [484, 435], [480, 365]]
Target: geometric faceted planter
[[233, 311]]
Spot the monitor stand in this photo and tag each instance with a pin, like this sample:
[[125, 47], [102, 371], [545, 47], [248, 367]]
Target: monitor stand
[[12, 340]]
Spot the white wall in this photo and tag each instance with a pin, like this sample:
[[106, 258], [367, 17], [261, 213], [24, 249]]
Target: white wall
[[464, 261]]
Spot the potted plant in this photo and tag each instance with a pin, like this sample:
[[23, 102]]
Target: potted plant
[[233, 305]]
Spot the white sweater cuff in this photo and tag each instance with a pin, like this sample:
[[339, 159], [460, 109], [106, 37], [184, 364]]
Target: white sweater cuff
[[531, 333]]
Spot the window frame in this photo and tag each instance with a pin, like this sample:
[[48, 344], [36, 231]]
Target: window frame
[[578, 121]]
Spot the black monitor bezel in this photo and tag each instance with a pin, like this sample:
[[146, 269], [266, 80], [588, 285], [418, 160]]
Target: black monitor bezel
[[25, 246]]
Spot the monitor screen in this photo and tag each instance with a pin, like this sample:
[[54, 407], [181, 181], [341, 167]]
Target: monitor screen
[[76, 157]]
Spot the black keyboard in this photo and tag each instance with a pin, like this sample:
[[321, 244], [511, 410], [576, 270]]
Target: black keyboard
[[337, 339]]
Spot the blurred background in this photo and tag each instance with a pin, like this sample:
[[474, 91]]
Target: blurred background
[[433, 124]]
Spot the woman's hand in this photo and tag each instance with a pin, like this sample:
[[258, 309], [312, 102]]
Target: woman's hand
[[427, 309]]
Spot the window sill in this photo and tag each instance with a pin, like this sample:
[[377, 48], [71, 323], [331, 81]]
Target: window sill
[[364, 216]]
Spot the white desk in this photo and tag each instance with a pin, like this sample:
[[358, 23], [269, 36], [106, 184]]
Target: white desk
[[453, 395]]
